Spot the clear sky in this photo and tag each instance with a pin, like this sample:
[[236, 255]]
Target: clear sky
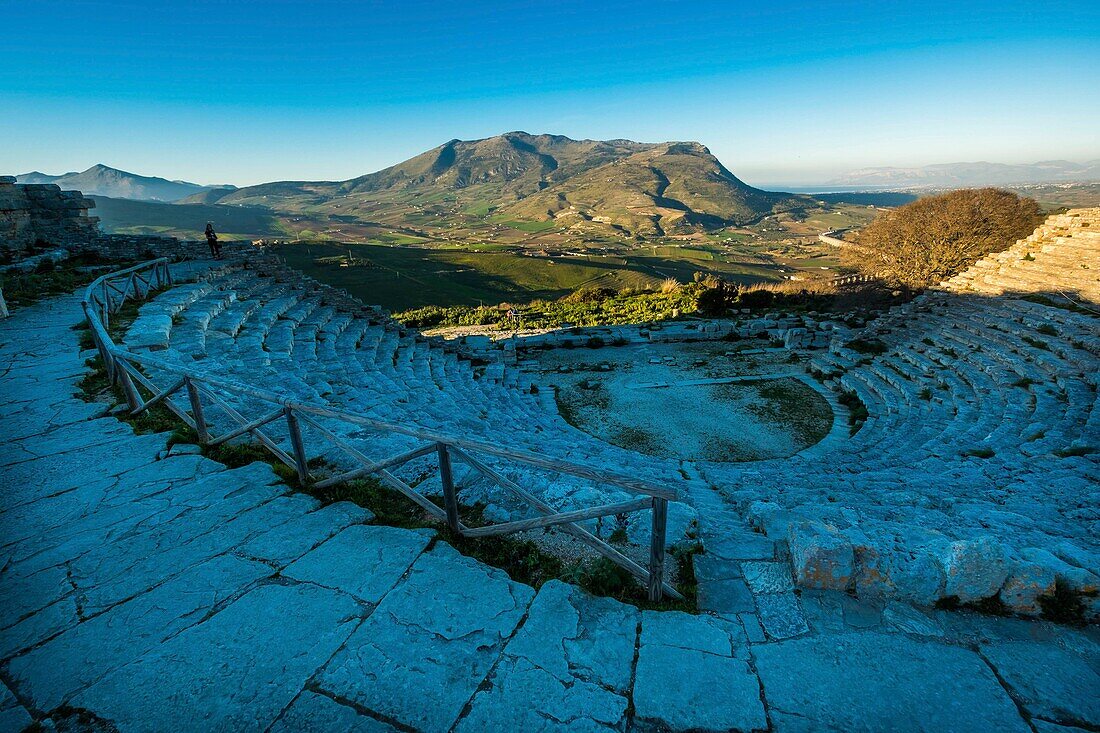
[[782, 92]]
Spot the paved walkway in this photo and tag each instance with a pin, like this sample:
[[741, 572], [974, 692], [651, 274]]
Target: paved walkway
[[156, 590]]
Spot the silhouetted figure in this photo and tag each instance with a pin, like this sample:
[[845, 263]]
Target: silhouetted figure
[[212, 240]]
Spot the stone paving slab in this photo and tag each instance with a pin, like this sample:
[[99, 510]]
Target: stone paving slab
[[689, 676], [870, 681], [77, 658], [313, 713], [235, 672], [426, 648], [13, 716], [127, 577], [567, 668], [573, 635], [525, 697], [1051, 683], [283, 545], [364, 561]]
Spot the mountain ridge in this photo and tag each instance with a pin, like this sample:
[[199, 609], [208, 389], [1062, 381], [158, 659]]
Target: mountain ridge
[[544, 179], [103, 180]]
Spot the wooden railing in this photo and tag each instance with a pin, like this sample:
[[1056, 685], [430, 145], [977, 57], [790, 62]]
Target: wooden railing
[[203, 391]]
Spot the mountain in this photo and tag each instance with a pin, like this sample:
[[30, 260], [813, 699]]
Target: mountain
[[101, 180], [540, 181], [957, 175]]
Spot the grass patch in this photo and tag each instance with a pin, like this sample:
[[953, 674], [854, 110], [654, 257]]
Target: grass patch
[[786, 402], [522, 559], [50, 278]]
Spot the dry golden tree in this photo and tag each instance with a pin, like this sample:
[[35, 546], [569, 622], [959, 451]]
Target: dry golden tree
[[936, 237]]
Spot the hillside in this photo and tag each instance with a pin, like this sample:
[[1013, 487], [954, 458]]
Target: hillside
[[538, 182], [102, 180], [187, 221]]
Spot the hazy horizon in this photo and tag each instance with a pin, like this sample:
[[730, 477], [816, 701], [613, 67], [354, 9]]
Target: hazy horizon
[[791, 94], [808, 185]]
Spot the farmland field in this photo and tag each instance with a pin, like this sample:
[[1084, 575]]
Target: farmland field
[[399, 278]]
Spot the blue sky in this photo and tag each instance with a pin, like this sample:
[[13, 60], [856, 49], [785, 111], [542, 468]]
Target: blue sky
[[796, 92]]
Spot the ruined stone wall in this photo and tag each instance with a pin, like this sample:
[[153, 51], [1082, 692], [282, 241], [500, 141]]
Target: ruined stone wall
[[44, 215]]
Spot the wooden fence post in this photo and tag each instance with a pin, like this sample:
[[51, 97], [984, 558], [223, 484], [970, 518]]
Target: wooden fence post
[[657, 549], [196, 411], [133, 399], [450, 500], [295, 430]]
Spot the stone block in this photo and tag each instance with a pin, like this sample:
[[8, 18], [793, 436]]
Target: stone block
[[1027, 582], [975, 569], [821, 556]]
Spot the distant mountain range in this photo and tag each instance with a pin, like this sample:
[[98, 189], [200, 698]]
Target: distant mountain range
[[956, 175], [546, 180], [102, 180]]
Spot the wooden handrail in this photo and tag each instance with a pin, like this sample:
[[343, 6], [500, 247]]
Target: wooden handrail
[[122, 365]]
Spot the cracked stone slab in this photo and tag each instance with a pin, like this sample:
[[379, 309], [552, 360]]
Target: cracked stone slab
[[38, 627], [689, 676], [725, 597], [13, 716], [781, 615], [874, 681], [53, 474], [525, 697], [768, 577], [573, 635], [105, 583], [237, 671], [567, 668], [363, 560], [283, 545], [77, 658], [1050, 682], [313, 713], [26, 595], [426, 648]]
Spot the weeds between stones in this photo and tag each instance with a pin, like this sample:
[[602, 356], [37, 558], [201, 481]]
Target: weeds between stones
[[522, 559]]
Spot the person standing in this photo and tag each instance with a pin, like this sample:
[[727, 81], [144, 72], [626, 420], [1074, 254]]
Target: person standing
[[212, 240]]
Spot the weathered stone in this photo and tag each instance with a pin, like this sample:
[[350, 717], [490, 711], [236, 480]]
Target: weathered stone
[[873, 681], [1075, 578], [573, 635], [84, 653], [525, 697], [768, 577], [821, 556], [236, 671], [424, 651], [313, 713], [289, 542], [1025, 585], [975, 569], [725, 597], [1050, 682], [13, 716], [710, 690], [365, 561], [780, 615]]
